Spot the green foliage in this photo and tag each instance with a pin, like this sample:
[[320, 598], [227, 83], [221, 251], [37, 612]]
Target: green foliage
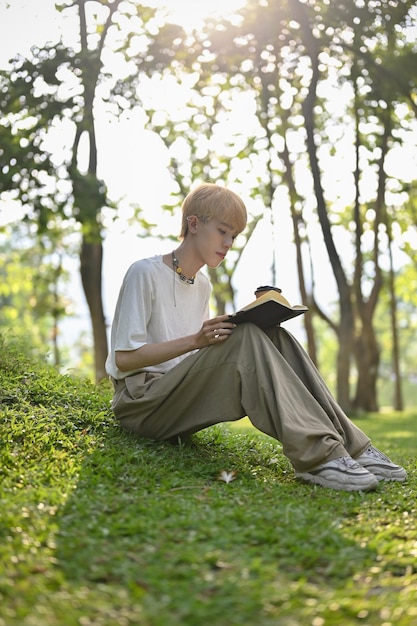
[[99, 527], [32, 273]]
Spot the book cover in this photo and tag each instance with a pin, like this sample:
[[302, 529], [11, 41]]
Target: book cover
[[269, 309]]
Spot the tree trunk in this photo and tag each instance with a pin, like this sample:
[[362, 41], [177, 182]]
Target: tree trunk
[[91, 260], [367, 351], [345, 332], [298, 222], [398, 395], [367, 355], [89, 192]]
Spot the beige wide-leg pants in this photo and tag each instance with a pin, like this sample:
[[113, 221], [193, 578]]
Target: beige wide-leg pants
[[266, 376]]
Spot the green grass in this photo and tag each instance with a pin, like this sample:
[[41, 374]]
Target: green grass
[[98, 527]]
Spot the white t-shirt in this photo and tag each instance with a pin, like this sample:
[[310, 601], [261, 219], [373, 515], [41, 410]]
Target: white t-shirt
[[153, 306]]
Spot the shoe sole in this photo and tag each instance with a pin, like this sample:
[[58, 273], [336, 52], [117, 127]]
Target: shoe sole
[[316, 479], [380, 473]]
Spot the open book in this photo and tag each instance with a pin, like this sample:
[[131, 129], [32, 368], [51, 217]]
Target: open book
[[269, 309]]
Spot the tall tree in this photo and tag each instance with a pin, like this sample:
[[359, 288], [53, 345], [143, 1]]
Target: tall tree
[[377, 92], [53, 96], [36, 102], [286, 53]]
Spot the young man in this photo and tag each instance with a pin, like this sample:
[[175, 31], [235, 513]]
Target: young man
[[175, 371]]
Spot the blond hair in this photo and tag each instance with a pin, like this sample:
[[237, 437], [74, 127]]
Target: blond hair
[[208, 201]]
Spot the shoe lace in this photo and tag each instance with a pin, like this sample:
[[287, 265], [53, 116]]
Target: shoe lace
[[377, 454], [349, 462]]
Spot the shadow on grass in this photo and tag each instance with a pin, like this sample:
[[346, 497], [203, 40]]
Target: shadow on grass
[[156, 520]]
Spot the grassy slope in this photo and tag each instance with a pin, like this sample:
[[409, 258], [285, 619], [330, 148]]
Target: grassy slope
[[100, 528]]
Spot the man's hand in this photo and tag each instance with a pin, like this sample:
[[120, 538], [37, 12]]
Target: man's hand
[[215, 330]]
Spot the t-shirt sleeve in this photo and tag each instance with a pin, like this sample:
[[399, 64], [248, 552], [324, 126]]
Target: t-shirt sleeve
[[133, 309]]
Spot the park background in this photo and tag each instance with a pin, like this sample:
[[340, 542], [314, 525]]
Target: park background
[[99, 527]]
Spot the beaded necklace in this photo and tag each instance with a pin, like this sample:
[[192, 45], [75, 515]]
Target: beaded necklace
[[178, 270]]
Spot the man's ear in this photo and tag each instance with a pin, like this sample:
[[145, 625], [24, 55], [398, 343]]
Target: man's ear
[[192, 223]]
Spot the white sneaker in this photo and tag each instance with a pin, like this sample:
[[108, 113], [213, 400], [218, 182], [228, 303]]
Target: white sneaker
[[380, 465], [342, 474]]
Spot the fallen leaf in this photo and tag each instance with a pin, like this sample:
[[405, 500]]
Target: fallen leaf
[[226, 476]]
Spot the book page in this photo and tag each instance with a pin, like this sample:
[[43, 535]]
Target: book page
[[266, 297]]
